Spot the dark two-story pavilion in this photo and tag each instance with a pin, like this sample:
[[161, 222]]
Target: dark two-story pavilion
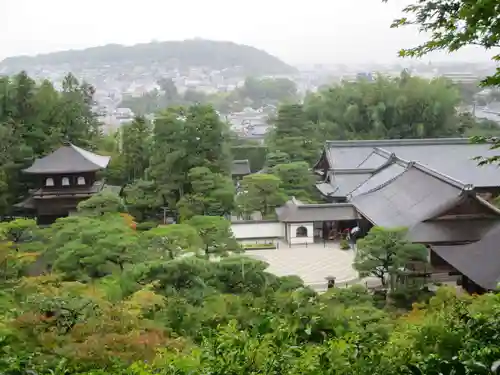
[[63, 178]]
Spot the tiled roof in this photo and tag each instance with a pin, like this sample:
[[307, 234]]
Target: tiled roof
[[240, 168], [453, 157], [407, 199], [479, 261], [295, 211], [68, 159]]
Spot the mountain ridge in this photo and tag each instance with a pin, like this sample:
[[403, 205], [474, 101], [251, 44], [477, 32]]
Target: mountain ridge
[[185, 53]]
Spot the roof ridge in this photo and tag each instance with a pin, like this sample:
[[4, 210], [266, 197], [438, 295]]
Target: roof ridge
[[99, 161], [440, 176], [402, 142], [353, 170], [317, 205], [365, 159], [376, 188]]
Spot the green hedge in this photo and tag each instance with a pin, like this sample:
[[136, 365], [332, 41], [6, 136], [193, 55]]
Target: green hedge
[[258, 246]]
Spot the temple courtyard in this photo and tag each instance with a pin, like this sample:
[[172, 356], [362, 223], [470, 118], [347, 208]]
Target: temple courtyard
[[312, 263]]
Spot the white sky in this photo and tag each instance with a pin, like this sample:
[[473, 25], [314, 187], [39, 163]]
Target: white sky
[[298, 31]]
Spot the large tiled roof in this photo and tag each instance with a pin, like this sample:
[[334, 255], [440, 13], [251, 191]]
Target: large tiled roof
[[451, 231], [411, 197], [384, 175], [68, 159], [414, 198], [453, 157], [343, 182], [479, 261]]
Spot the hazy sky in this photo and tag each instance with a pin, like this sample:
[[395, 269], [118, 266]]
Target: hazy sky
[[298, 31]]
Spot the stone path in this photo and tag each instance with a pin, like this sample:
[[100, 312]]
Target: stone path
[[312, 263]]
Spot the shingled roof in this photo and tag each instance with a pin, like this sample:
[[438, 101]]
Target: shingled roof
[[479, 261], [294, 211], [413, 197], [68, 159], [409, 198], [240, 168], [453, 157]]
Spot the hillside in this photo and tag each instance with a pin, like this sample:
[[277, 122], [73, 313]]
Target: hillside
[[178, 54]]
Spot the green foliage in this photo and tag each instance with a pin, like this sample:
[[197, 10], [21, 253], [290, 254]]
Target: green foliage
[[88, 247], [260, 193], [171, 240], [211, 194], [34, 120], [295, 135], [344, 244], [216, 234], [100, 204], [163, 311], [136, 138], [297, 180], [403, 107], [452, 25], [275, 158], [186, 138], [253, 246], [385, 252], [256, 156], [142, 199]]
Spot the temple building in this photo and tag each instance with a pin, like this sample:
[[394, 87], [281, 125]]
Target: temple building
[[433, 187], [240, 169], [63, 178]]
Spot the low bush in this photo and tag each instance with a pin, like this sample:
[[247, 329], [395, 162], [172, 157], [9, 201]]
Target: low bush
[[258, 246], [344, 245]]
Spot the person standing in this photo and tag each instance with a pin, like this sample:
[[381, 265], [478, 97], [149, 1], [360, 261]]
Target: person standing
[[353, 235]]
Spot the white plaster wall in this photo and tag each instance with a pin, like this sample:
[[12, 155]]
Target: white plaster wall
[[256, 230], [294, 240]]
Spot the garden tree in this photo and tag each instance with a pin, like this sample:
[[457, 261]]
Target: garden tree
[[275, 158], [34, 120], [135, 139], [386, 253], [211, 194], [101, 204], [185, 138], [169, 241], [78, 323], [295, 135], [85, 248], [297, 180], [260, 193], [142, 199], [17, 230], [79, 122], [216, 234], [451, 26], [401, 107]]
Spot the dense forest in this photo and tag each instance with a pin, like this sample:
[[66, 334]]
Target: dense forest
[[178, 54]]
